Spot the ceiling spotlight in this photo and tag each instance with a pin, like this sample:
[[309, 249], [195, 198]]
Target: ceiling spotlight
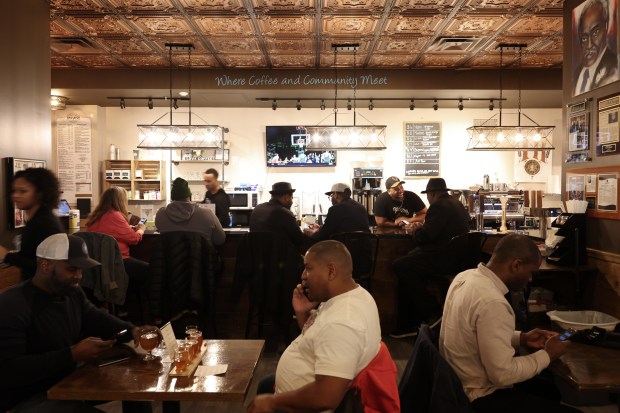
[[58, 102], [274, 105], [122, 103], [175, 103], [184, 93], [371, 105], [322, 105], [435, 105], [298, 104], [150, 103], [349, 105], [491, 105], [411, 105], [460, 104]]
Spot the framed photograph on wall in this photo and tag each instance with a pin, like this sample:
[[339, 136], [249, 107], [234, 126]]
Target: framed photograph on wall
[[578, 132], [608, 134], [11, 167]]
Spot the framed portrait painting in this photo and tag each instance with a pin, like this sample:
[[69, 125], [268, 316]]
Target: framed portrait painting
[[594, 45]]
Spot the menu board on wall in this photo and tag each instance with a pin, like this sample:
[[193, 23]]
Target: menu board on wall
[[74, 164], [422, 141]]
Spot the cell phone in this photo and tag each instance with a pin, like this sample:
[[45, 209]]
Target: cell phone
[[142, 220], [118, 335], [567, 334], [405, 221]]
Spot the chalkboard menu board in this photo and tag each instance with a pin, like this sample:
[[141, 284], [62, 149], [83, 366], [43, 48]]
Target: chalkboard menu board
[[422, 148]]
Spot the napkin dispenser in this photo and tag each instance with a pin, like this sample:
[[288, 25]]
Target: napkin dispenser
[[572, 249]]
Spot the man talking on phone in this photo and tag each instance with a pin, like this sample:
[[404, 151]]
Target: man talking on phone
[[478, 338], [47, 326]]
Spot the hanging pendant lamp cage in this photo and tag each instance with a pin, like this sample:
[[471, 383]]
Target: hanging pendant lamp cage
[[493, 135], [346, 137], [180, 136]]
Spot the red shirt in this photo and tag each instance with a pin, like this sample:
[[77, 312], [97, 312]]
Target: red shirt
[[113, 223]]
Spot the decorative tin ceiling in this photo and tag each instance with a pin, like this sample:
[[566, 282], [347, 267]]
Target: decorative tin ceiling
[[438, 34]]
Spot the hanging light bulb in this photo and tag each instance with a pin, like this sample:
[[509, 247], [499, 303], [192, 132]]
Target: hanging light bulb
[[537, 136], [501, 136], [519, 136]]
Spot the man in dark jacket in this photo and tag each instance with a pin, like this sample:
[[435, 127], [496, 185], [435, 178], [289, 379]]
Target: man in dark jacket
[[345, 215], [445, 219], [47, 326], [276, 216]]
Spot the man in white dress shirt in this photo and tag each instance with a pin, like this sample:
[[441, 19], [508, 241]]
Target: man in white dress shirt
[[478, 338]]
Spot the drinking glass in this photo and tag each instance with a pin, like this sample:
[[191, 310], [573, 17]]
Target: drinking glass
[[181, 357], [197, 335], [190, 329], [148, 341], [193, 346]]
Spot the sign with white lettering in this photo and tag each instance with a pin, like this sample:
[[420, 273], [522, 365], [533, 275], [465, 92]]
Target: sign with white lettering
[[422, 140], [268, 80]]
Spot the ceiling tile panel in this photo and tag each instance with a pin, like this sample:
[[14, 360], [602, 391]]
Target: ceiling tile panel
[[419, 26], [100, 62], [424, 6], [75, 6], [211, 6], [295, 61], [390, 61], [532, 60], [195, 41], [399, 46], [290, 46], [59, 30], [536, 25], [363, 6], [243, 61], [474, 25], [502, 5], [198, 61], [343, 60], [298, 6], [61, 63], [242, 46], [225, 26], [100, 26], [148, 61], [348, 26], [143, 6], [440, 61], [125, 46], [287, 26], [163, 26]]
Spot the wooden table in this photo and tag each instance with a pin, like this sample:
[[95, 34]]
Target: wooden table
[[587, 367], [138, 380]]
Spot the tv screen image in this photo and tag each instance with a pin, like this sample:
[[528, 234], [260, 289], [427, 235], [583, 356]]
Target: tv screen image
[[286, 146]]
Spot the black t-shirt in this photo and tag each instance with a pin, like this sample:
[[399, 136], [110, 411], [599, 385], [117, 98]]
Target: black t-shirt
[[222, 206], [390, 209]]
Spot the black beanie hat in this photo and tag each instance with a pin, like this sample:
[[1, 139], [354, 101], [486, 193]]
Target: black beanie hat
[[180, 190]]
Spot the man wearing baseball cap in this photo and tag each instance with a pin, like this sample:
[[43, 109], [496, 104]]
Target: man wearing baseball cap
[[345, 215], [397, 207], [47, 326]]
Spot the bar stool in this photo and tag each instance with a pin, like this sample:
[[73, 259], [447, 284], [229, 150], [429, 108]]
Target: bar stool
[[363, 247]]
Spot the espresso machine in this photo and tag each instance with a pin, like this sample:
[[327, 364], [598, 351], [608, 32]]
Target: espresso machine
[[367, 186]]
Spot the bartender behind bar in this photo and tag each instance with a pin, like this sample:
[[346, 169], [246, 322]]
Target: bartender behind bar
[[397, 207]]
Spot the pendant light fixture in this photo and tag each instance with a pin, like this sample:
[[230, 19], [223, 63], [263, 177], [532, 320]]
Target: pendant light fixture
[[495, 136], [180, 136], [352, 137]]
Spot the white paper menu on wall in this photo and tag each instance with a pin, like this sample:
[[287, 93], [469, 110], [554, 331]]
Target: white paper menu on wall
[[73, 155]]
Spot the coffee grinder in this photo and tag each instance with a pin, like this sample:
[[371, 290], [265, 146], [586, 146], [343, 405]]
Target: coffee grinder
[[367, 186]]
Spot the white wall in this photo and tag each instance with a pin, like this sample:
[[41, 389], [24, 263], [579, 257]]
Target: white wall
[[459, 167]]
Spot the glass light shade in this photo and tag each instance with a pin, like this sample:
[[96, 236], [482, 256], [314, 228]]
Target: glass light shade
[[359, 137], [180, 136]]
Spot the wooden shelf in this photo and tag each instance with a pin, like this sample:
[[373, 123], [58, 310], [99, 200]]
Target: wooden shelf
[[152, 171]]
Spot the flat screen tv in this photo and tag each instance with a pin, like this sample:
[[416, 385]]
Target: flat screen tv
[[286, 146]]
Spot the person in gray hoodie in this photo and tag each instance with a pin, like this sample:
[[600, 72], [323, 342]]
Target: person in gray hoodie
[[184, 215]]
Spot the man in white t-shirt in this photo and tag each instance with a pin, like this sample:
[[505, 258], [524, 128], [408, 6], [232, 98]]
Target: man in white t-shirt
[[338, 339]]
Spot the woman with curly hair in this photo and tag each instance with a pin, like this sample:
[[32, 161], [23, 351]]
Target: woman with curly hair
[[111, 217], [36, 191]]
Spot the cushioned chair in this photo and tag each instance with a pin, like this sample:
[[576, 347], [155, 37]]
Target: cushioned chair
[[184, 268], [429, 384], [270, 265], [106, 283], [363, 247]]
